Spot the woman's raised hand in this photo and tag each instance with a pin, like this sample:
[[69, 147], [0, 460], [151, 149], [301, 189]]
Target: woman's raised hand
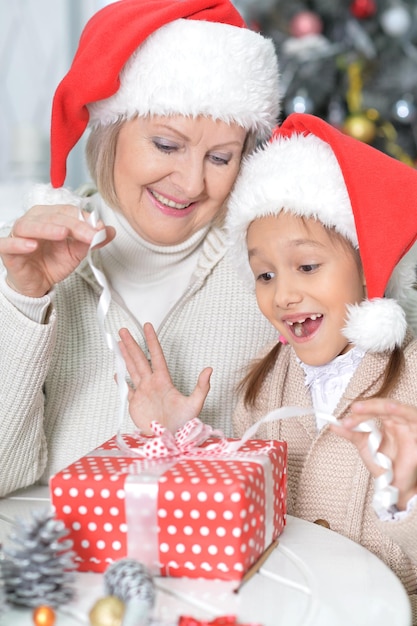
[[398, 425], [45, 246], [153, 396]]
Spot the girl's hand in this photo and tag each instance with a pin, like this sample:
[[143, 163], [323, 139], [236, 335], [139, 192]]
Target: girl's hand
[[45, 246], [398, 426], [153, 396]]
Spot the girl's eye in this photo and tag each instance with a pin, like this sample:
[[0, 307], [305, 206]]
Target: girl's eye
[[266, 277], [307, 269], [164, 146], [220, 159]]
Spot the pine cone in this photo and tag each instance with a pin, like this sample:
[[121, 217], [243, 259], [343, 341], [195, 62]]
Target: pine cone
[[3, 598], [127, 579], [40, 569]]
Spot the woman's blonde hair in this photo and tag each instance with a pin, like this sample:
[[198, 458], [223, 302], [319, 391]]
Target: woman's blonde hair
[[101, 154]]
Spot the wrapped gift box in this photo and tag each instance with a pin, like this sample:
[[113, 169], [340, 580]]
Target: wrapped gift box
[[194, 515]]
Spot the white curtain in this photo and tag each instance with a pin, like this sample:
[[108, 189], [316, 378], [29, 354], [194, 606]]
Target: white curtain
[[38, 39]]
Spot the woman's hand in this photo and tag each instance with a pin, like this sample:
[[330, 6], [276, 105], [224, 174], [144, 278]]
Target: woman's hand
[[398, 426], [45, 246], [153, 396]]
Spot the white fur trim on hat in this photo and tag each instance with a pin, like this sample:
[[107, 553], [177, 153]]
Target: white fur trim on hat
[[193, 67], [48, 195], [284, 175]]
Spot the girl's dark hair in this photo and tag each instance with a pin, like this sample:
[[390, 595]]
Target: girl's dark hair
[[251, 384]]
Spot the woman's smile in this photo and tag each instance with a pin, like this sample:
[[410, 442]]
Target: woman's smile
[[168, 202]]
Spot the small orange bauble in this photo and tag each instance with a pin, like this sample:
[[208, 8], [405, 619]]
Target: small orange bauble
[[44, 616]]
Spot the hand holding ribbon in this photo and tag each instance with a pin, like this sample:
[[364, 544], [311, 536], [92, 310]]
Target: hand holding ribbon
[[395, 440]]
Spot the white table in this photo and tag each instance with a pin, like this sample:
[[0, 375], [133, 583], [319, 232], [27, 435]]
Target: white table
[[315, 577]]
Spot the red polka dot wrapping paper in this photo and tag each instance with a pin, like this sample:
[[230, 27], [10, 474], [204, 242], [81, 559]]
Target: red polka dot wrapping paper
[[195, 516]]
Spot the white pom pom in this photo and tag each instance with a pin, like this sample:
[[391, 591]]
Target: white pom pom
[[48, 195], [376, 325]]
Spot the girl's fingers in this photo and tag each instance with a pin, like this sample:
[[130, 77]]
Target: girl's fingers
[[136, 362], [130, 390], [203, 383], [383, 406], [390, 411], [156, 353]]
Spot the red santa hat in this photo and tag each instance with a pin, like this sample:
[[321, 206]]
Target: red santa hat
[[313, 170], [165, 57]]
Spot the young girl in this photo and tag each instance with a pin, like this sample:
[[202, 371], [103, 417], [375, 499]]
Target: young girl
[[323, 220], [320, 221]]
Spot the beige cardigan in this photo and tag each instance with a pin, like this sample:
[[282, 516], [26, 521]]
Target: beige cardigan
[[326, 477]]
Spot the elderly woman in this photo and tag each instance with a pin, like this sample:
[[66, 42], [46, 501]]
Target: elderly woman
[[174, 94]]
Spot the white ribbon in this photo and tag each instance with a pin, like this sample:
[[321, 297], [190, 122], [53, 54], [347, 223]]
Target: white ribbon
[[385, 495], [102, 309]]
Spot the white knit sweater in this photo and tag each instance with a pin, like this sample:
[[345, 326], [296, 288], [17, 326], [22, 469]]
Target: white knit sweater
[[58, 398]]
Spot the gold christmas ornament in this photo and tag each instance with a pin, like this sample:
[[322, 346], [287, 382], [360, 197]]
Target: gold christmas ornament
[[107, 611], [44, 616], [359, 126]]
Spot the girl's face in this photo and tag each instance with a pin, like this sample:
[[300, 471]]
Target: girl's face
[[173, 174], [305, 278]]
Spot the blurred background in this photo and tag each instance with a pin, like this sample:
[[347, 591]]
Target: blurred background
[[352, 62]]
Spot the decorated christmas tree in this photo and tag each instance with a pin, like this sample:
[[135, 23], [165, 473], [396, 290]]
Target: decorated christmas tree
[[351, 62]]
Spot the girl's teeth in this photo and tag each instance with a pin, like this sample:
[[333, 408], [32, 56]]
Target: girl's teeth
[[298, 329], [313, 317]]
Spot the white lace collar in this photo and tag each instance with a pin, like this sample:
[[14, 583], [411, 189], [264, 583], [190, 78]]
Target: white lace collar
[[328, 382]]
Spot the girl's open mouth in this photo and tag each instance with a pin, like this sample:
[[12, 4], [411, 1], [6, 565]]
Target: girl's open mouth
[[304, 327]]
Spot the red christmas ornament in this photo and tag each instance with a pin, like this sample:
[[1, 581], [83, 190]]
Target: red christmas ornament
[[305, 23], [226, 620], [363, 9]]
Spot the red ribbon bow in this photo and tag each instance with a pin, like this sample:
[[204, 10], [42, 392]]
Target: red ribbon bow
[[225, 620]]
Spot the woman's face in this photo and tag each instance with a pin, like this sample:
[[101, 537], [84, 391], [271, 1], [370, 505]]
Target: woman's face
[[173, 174], [305, 278]]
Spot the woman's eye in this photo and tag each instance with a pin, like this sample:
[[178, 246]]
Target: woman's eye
[[164, 146], [220, 159], [310, 267]]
